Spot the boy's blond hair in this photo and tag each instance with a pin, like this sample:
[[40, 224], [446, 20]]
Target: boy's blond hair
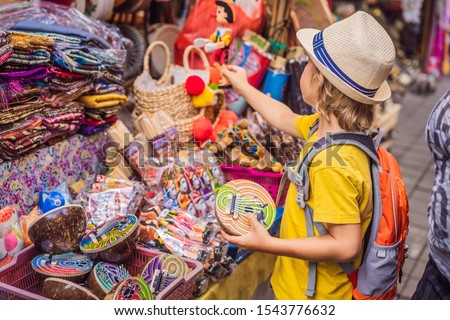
[[351, 115]]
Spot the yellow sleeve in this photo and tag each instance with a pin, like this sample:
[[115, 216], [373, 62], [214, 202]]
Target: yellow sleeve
[[227, 39], [304, 123], [335, 196]]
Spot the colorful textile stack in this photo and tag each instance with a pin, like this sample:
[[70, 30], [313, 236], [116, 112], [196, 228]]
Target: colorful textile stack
[[55, 80]]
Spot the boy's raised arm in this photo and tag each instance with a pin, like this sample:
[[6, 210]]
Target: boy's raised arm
[[276, 113]]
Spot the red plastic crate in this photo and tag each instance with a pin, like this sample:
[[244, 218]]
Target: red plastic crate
[[18, 280], [268, 180]]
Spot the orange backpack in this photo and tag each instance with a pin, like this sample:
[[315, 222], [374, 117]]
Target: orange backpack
[[385, 248]]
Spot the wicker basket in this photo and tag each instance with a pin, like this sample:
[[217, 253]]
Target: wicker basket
[[182, 116], [172, 98]]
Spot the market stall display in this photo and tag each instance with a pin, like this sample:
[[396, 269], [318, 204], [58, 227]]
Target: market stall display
[[144, 191]]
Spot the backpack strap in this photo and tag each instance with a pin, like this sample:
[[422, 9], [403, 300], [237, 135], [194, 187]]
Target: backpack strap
[[300, 177]]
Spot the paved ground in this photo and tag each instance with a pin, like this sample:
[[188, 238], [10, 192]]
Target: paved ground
[[416, 164]]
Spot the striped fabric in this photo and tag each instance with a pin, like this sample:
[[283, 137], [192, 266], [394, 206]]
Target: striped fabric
[[324, 58]]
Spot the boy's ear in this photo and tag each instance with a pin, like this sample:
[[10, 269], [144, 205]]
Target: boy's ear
[[320, 78]]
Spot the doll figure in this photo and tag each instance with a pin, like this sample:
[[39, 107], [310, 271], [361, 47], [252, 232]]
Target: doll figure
[[219, 42]]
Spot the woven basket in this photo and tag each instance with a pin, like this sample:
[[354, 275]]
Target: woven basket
[[172, 98], [181, 114]]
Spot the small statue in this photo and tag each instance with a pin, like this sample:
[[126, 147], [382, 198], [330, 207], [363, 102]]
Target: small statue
[[219, 42]]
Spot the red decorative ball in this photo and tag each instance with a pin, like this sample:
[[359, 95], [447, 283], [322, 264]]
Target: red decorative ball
[[195, 85], [227, 118], [202, 130]]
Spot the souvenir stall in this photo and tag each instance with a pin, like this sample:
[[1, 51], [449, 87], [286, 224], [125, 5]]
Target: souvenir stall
[[124, 152]]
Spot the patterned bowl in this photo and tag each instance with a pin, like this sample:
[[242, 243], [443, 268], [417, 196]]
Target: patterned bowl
[[114, 241], [59, 230], [105, 276], [131, 289], [69, 266]]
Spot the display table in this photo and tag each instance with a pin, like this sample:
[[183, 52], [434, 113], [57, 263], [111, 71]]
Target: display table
[[243, 282], [69, 160]]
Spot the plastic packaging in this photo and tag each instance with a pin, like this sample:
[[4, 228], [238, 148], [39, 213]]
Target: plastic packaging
[[184, 247], [188, 226], [190, 184], [109, 198], [53, 14]]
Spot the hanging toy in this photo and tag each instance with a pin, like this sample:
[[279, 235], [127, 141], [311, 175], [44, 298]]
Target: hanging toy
[[219, 42]]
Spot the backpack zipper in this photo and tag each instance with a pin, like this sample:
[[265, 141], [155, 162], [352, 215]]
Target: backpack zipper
[[394, 197]]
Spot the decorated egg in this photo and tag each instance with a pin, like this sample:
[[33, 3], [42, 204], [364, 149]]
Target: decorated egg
[[59, 230], [60, 289], [70, 266], [105, 276], [114, 241]]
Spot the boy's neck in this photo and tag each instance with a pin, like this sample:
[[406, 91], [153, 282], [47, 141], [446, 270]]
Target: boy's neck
[[328, 124]]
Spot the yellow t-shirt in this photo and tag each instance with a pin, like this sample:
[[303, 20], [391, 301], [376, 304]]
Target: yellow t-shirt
[[340, 193]]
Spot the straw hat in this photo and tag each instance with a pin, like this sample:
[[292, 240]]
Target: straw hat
[[355, 54]]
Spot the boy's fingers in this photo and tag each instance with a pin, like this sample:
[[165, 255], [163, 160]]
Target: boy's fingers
[[252, 219]]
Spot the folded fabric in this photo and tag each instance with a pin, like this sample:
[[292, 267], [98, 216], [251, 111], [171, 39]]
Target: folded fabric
[[89, 130], [70, 107], [61, 84], [103, 100], [32, 74], [10, 95], [102, 88], [103, 113], [59, 99], [6, 52], [109, 77], [22, 128], [85, 37], [20, 112], [92, 122], [61, 73], [82, 57], [68, 118], [29, 42]]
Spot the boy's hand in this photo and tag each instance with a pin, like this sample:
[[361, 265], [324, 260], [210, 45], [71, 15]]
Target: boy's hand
[[237, 77], [256, 239]]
